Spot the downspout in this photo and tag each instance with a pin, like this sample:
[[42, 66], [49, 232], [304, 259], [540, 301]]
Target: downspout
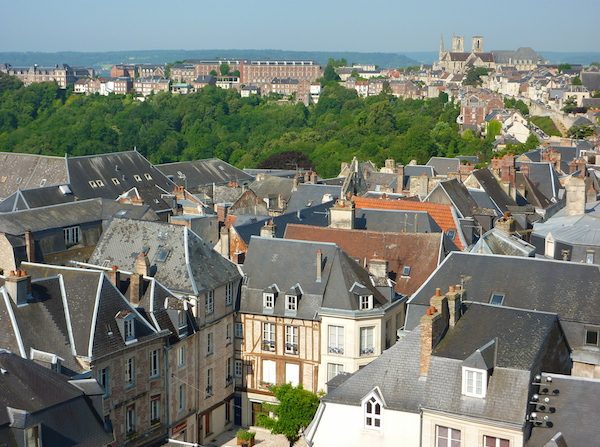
[[167, 370], [421, 427]]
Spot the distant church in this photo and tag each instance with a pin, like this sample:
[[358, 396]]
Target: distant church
[[457, 60]]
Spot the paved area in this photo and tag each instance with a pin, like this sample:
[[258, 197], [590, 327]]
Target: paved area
[[263, 438]]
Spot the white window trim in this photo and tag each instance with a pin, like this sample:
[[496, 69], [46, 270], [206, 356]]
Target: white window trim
[[154, 373], [549, 246], [368, 303], [483, 382], [268, 297], [370, 398], [291, 303]]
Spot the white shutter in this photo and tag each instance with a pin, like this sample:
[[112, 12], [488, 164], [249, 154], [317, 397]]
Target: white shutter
[[269, 371], [292, 373]]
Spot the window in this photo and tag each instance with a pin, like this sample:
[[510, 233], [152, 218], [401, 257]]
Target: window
[[373, 413], [549, 246], [72, 235], [229, 294], [130, 372], [228, 411], [92, 184], [210, 302], [269, 372], [115, 181], [292, 374], [447, 437], [239, 330], [32, 436], [366, 302], [291, 302], [591, 337], [291, 340], [497, 299], [137, 178], [130, 419], [268, 300], [99, 183], [228, 333], [182, 323], [268, 337], [129, 324], [209, 382], [181, 400], [181, 356], [492, 441], [147, 176], [451, 233], [366, 341], [238, 368], [228, 372], [406, 270], [589, 257], [155, 409], [104, 380], [474, 382], [210, 345], [154, 364], [336, 340], [333, 369]]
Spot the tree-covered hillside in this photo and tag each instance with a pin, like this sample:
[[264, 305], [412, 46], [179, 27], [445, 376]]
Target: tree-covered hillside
[[43, 119]]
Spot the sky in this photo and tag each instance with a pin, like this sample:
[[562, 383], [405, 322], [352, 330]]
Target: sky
[[313, 25]]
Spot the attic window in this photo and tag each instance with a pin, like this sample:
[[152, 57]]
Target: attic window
[[366, 302], [268, 300], [99, 183], [406, 271], [147, 176], [591, 337], [372, 410], [162, 254], [291, 302], [474, 382], [451, 233], [137, 177], [182, 324], [92, 183], [116, 181], [497, 299], [43, 182], [129, 325]]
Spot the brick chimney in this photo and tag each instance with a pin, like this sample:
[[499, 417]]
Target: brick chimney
[[319, 265], [341, 215], [378, 268], [142, 265], [455, 298], [114, 275], [136, 288], [390, 165], [575, 188], [400, 178], [313, 177], [18, 286], [30, 246], [434, 325], [225, 242], [525, 169], [268, 229], [506, 223]]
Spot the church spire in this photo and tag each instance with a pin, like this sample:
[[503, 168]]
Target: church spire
[[442, 51]]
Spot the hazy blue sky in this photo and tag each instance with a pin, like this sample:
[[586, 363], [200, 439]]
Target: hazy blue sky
[[341, 25]]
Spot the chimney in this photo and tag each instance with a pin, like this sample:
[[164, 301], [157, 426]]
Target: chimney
[[295, 183], [313, 177], [434, 325], [114, 275], [319, 264], [18, 286], [30, 246], [306, 177], [225, 242], [378, 268], [136, 284], [454, 297], [506, 223], [341, 214], [400, 178], [142, 265], [390, 165], [268, 229], [575, 188], [525, 169]]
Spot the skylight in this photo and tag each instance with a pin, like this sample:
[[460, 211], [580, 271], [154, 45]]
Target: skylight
[[161, 254], [497, 299], [406, 270]]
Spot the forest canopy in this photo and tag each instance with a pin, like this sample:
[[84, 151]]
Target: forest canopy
[[246, 132]]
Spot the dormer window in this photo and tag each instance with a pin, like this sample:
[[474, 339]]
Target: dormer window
[[137, 178], [366, 302], [129, 325], [182, 324], [291, 303], [268, 300], [372, 413], [474, 383]]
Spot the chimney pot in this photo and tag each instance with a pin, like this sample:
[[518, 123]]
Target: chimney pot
[[438, 291], [319, 264]]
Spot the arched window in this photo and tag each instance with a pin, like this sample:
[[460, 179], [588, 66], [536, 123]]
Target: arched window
[[372, 413]]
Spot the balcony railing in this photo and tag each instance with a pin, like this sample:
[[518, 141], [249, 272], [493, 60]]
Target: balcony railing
[[367, 350], [268, 345], [336, 350], [291, 348]]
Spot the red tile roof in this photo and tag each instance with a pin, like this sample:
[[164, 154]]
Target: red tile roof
[[440, 213], [419, 251]]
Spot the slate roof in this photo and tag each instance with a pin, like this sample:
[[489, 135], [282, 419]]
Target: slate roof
[[204, 172], [591, 80], [521, 339], [395, 221], [576, 413], [190, 265], [417, 170], [35, 198], [31, 389], [545, 179], [420, 252], [286, 263], [317, 215], [443, 215], [566, 288], [491, 186], [444, 165], [272, 186], [460, 197], [312, 194], [130, 169], [583, 229], [68, 214], [497, 242], [521, 54], [23, 171]]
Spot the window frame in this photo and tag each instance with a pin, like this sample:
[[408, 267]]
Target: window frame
[[291, 303], [268, 300], [130, 372], [181, 356], [130, 419], [155, 409], [373, 413], [497, 294], [334, 346], [104, 380], [338, 367], [209, 303], [210, 343], [238, 368], [229, 294], [476, 374], [209, 382], [269, 336], [292, 335], [182, 323], [181, 399], [448, 439], [72, 235], [365, 302], [498, 442], [588, 331], [154, 363], [365, 350]]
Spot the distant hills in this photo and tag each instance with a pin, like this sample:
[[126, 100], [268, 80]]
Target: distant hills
[[102, 61]]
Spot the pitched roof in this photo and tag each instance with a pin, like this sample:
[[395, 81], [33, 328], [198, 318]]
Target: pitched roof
[[196, 173], [497, 242], [179, 258], [307, 195], [545, 178], [420, 252], [489, 183], [443, 215], [444, 165], [23, 171], [459, 196], [395, 221]]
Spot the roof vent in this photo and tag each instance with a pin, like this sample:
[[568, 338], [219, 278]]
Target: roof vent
[[65, 189], [3, 371]]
